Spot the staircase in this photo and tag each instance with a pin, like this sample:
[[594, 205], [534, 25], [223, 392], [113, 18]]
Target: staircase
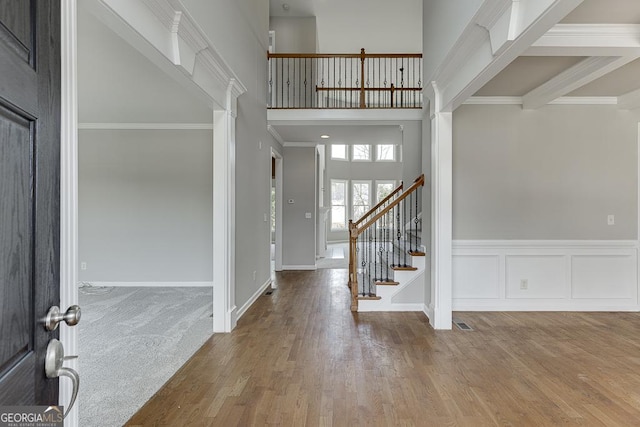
[[385, 250]]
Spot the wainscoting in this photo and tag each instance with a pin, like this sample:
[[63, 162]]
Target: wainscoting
[[568, 275]]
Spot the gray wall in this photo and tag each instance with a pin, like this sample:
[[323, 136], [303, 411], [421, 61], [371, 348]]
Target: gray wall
[[299, 184], [551, 173], [412, 151], [145, 205], [294, 35]]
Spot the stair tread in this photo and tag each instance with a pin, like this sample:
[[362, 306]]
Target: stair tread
[[372, 297], [385, 283]]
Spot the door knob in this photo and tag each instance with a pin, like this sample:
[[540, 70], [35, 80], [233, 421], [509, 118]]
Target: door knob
[[53, 368], [54, 317]]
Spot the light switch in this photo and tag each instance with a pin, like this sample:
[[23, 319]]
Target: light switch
[[307, 215]]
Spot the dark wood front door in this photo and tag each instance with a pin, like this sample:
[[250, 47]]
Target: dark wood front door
[[29, 195]]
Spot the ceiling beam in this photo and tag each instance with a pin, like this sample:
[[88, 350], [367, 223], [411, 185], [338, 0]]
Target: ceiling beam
[[629, 101], [588, 40], [500, 32], [580, 74]]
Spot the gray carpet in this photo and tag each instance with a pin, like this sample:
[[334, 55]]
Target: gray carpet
[[132, 340]]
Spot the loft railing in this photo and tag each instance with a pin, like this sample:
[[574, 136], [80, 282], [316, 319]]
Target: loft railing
[[364, 80], [382, 240]]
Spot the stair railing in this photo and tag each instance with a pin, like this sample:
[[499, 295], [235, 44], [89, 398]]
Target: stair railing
[[394, 222], [344, 80]]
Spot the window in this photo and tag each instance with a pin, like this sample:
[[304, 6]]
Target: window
[[383, 189], [361, 152], [338, 204], [385, 152], [360, 198], [339, 151]]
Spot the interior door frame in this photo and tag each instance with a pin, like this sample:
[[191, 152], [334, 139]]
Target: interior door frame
[[69, 192], [278, 245]]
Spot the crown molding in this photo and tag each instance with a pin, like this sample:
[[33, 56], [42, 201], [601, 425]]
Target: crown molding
[[629, 101], [565, 100], [585, 100], [494, 100], [275, 134], [588, 40]]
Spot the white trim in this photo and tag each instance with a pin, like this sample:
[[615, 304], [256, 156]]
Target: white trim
[[573, 78], [152, 284], [364, 116], [542, 244], [630, 100], [585, 100], [588, 40], [564, 100], [275, 133], [257, 294], [565, 275], [551, 306], [299, 144], [300, 267], [69, 191], [146, 126], [279, 208]]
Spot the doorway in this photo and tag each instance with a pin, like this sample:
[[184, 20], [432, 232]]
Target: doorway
[[276, 213]]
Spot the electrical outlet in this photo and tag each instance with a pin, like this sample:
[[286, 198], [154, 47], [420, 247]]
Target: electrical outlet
[[524, 284], [83, 266], [611, 220]]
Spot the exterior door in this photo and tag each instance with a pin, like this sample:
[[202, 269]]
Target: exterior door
[[29, 196]]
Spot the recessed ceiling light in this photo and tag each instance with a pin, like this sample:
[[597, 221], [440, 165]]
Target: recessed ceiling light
[[324, 136]]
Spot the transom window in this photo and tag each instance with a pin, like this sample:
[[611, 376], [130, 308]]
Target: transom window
[[361, 152], [339, 151], [385, 152]]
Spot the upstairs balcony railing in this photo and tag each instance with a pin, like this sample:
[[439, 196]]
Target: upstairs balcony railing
[[364, 80]]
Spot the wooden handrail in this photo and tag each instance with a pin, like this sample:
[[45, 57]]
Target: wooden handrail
[[385, 200], [356, 231]]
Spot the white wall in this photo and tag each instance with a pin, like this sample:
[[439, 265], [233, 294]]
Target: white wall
[[145, 205], [299, 232]]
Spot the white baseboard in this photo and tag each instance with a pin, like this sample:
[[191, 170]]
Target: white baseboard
[[545, 275], [150, 284], [299, 267], [254, 297]]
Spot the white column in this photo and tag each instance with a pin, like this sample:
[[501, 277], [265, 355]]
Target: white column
[[69, 195], [441, 215], [224, 211]]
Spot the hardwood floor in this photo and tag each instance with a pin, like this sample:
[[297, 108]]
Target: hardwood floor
[[300, 357]]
